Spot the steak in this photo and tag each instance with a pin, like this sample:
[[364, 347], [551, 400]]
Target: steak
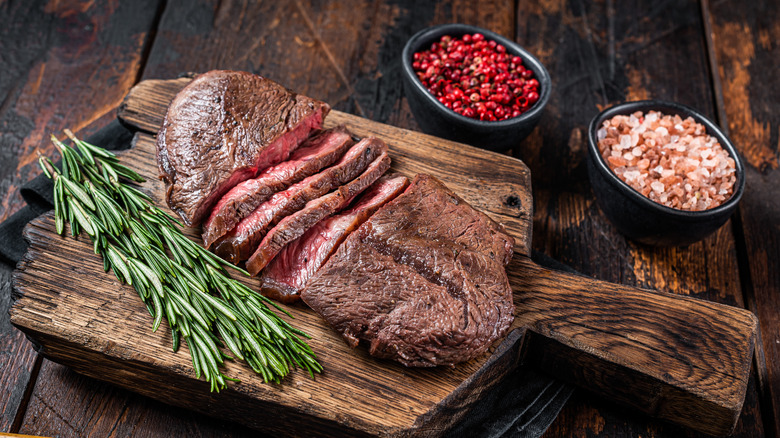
[[220, 129], [293, 226], [241, 243], [317, 152], [289, 271], [422, 281]]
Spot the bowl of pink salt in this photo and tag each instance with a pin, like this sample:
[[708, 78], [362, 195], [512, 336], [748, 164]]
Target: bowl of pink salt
[[663, 173]]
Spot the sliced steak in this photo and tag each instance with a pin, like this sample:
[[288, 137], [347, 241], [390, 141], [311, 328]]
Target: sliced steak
[[289, 271], [220, 129], [422, 281], [293, 226], [316, 153], [240, 243]]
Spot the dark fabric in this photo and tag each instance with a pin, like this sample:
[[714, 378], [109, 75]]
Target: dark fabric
[[524, 405], [12, 245]]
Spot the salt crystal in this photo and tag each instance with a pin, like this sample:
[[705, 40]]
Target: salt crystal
[[637, 151], [616, 161], [631, 175], [657, 186], [601, 134]]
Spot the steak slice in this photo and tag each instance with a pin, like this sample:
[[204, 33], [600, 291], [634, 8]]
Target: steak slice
[[220, 129], [317, 152], [293, 226], [289, 271], [240, 243], [422, 280]]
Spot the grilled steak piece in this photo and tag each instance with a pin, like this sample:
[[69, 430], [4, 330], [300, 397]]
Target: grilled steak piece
[[220, 129], [240, 243], [317, 152], [289, 271], [293, 226], [422, 281]]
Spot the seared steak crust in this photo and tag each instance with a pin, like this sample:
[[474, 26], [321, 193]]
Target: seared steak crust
[[220, 129], [422, 280]]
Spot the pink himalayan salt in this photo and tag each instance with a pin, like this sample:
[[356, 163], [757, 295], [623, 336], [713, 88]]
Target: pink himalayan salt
[[669, 160]]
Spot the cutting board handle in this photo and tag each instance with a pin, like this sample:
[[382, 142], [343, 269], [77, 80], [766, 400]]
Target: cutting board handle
[[674, 357]]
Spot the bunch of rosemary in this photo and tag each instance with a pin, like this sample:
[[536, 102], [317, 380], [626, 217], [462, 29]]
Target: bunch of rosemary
[[173, 275]]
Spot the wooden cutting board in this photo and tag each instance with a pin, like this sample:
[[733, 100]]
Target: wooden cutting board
[[674, 357]]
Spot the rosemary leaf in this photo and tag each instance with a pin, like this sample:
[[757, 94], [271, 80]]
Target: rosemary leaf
[[118, 263], [81, 216], [231, 342], [218, 305], [158, 311]]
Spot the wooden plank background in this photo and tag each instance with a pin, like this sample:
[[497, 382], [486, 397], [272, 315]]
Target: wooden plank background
[[68, 63]]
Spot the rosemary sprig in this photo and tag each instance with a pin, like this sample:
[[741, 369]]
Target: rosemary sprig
[[174, 276]]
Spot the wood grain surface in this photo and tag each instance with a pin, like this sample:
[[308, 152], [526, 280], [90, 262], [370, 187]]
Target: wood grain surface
[[677, 358], [65, 64], [716, 56], [745, 51]]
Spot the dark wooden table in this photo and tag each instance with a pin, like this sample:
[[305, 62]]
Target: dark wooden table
[[67, 64]]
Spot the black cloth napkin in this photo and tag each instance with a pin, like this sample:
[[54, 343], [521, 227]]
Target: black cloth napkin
[[523, 406]]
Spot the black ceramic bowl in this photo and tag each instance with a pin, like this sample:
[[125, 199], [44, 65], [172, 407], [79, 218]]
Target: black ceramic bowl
[[436, 119], [636, 216]]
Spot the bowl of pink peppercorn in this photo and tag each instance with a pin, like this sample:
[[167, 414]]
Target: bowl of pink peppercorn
[[663, 173], [471, 85]]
